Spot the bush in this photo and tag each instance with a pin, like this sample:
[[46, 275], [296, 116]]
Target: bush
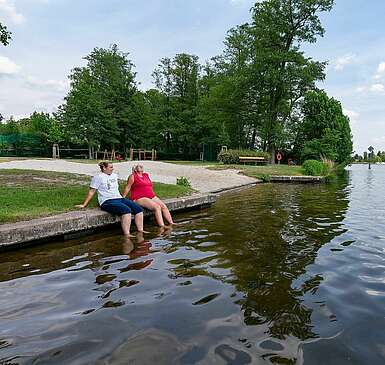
[[230, 157], [315, 168], [265, 177], [183, 181]]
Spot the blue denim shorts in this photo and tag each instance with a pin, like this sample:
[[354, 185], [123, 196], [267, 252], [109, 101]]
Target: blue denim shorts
[[121, 206]]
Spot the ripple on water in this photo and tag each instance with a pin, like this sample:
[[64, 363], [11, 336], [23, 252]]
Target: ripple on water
[[272, 274]]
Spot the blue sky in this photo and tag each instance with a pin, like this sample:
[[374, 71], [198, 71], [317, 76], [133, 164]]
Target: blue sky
[[52, 36]]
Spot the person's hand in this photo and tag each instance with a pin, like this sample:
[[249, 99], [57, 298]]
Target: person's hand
[[80, 206]]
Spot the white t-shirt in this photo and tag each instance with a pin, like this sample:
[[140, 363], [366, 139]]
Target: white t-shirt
[[107, 186]]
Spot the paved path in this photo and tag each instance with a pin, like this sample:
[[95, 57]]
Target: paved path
[[202, 179]]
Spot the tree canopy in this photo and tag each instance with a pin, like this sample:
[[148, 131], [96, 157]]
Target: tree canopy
[[98, 108], [325, 130], [260, 93], [5, 35]]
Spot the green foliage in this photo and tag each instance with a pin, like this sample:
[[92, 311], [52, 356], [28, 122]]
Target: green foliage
[[324, 130], [46, 127], [100, 109], [183, 181], [5, 35], [230, 157], [38, 130], [176, 118], [315, 168], [265, 177], [255, 86], [249, 97]]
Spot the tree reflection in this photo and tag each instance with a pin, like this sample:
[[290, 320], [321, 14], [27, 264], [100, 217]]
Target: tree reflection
[[270, 235]]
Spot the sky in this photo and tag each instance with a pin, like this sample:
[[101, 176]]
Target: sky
[[50, 37]]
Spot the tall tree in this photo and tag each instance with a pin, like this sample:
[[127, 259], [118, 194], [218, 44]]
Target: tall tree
[[98, 108], [177, 80], [324, 130], [268, 71], [279, 28]]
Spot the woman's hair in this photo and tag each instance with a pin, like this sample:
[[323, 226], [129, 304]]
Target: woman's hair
[[136, 168], [104, 164]]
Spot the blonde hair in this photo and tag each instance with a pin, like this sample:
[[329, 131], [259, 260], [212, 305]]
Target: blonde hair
[[136, 168], [104, 164]]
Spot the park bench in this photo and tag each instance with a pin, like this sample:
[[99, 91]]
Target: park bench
[[252, 159]]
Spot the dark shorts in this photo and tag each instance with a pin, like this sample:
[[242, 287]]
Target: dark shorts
[[121, 206]]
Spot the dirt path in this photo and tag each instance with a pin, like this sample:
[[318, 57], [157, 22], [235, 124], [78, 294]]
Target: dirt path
[[202, 179]]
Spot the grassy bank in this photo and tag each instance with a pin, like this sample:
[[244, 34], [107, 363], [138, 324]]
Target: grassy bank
[[8, 159], [262, 171], [27, 194]]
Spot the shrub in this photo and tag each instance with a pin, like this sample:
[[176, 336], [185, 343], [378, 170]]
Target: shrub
[[265, 177], [183, 181], [230, 157], [315, 168]]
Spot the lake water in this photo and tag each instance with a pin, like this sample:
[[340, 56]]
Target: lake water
[[281, 274]]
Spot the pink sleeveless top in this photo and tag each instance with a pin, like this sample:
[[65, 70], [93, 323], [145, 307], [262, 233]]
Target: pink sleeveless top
[[142, 187]]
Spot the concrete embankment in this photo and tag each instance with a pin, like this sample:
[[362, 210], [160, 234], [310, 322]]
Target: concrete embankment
[[297, 179], [67, 224]]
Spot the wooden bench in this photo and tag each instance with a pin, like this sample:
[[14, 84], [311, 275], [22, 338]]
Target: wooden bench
[[254, 159]]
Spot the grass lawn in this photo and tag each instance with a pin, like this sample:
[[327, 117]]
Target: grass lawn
[[260, 171], [27, 194], [7, 159]]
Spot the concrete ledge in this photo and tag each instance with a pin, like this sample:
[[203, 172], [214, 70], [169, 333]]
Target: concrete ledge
[[297, 179], [66, 224]]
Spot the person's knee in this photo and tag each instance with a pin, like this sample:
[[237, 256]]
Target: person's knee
[[126, 216], [125, 211]]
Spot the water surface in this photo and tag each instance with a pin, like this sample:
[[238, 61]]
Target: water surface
[[276, 274]]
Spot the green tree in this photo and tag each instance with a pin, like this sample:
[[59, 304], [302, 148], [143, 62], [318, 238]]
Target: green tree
[[177, 80], [324, 130], [268, 72], [5, 35], [98, 109], [46, 127]]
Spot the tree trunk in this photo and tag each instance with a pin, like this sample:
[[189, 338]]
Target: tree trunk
[[90, 152], [272, 154]]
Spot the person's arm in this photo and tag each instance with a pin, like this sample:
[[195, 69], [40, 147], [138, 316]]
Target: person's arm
[[88, 198], [127, 188]]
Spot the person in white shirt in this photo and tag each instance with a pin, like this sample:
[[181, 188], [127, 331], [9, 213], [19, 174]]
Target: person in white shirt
[[107, 186]]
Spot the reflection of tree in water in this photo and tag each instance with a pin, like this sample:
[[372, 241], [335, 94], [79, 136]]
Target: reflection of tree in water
[[269, 236]]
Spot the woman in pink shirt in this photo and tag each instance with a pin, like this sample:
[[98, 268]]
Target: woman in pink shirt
[[140, 187]]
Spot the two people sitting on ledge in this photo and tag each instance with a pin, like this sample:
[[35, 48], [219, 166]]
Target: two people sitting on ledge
[[106, 184]]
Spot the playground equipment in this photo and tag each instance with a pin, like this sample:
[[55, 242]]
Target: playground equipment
[[55, 151], [135, 154], [142, 154]]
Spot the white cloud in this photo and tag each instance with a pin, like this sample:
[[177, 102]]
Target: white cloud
[[380, 71], [341, 62], [55, 85], [8, 67], [381, 67], [8, 12], [377, 88], [251, 2], [353, 116]]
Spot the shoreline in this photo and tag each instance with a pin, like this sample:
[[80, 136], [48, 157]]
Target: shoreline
[[76, 223]]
